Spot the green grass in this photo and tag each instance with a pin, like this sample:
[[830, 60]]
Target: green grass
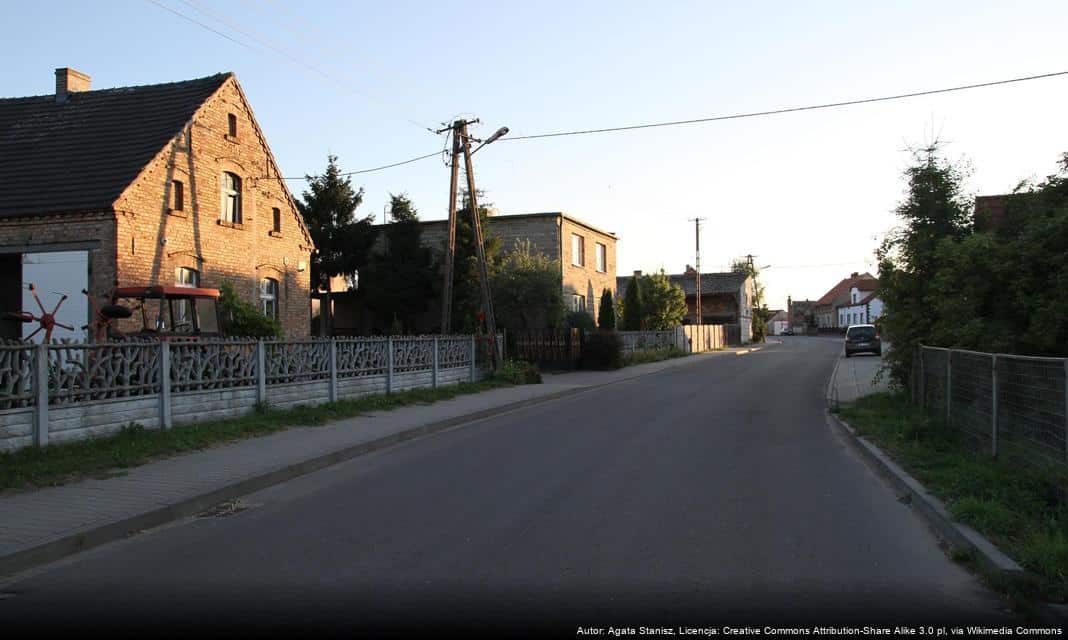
[[653, 355], [134, 445], [1021, 510]]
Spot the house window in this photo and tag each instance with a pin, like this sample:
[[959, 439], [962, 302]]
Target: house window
[[578, 302], [231, 125], [602, 257], [578, 250], [276, 220], [183, 310], [269, 297], [178, 193], [231, 198]]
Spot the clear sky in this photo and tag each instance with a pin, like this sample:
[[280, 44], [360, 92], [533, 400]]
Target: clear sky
[[810, 194]]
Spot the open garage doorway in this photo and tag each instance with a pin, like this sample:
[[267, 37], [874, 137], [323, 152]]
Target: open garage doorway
[[54, 274]]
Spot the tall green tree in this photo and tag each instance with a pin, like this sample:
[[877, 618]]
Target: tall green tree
[[467, 295], [401, 276], [526, 290], [606, 313], [633, 306], [935, 211], [342, 241], [663, 302]]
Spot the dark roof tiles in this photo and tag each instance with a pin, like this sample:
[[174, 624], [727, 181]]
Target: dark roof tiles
[[81, 154]]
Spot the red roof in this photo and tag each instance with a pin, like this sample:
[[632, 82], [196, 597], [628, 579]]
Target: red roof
[[863, 282]]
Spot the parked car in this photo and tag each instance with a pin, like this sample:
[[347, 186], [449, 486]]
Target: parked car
[[787, 332], [863, 338]]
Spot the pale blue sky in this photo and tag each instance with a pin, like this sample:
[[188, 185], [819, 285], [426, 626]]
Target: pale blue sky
[[797, 190]]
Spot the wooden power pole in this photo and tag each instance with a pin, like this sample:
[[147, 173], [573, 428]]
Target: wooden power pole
[[461, 142], [697, 234]]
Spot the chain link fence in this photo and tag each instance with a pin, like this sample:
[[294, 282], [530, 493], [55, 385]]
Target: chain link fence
[[1005, 405]]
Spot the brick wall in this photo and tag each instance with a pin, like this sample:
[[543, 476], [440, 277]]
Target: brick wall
[[97, 229], [154, 239], [586, 280]]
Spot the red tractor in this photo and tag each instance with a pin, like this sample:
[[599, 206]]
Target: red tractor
[[161, 311]]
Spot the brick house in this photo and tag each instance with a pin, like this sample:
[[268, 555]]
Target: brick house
[[587, 257], [847, 291], [801, 316], [726, 299], [157, 184]]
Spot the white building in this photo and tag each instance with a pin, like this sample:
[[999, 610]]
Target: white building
[[863, 308]]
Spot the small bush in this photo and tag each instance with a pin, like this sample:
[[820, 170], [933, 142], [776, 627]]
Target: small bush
[[580, 320], [519, 372], [243, 320], [603, 350]]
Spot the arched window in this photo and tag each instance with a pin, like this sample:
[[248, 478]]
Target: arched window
[[231, 198], [269, 297]]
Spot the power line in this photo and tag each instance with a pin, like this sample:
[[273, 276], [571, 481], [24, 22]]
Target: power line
[[353, 173], [754, 114], [264, 42]]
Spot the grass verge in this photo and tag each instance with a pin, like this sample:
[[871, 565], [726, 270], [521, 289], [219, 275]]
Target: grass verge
[[653, 355], [134, 445], [1021, 510]]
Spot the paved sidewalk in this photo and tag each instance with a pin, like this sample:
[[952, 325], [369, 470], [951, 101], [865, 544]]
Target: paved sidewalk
[[43, 525], [855, 377]]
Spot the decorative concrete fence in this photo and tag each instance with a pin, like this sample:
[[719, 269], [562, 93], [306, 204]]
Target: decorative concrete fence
[[637, 341], [73, 391]]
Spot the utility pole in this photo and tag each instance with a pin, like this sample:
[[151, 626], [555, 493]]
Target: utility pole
[[699, 312], [461, 142], [450, 242]]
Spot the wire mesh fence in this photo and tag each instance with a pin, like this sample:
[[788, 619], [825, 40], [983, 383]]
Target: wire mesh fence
[[1008, 406]]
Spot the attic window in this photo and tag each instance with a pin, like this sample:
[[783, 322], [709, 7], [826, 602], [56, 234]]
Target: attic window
[[178, 202], [231, 121]]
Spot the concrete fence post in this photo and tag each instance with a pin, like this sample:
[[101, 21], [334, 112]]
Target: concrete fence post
[[949, 384], [389, 364], [333, 370], [165, 416], [473, 352], [994, 406], [40, 388], [261, 372], [435, 364]]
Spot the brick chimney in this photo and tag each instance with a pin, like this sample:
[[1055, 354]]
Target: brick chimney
[[637, 273], [69, 81], [855, 274]]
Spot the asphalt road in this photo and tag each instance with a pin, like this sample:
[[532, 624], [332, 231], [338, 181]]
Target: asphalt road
[[706, 495]]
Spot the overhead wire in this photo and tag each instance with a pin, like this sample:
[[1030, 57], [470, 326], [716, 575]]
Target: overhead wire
[[270, 45], [754, 114]]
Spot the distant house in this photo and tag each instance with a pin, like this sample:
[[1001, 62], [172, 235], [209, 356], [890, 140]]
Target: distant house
[[847, 292], [801, 316], [726, 299], [587, 257], [163, 184], [865, 310], [778, 322]]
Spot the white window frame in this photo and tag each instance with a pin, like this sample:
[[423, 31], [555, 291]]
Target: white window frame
[[578, 302], [230, 185], [269, 297], [602, 257], [578, 250], [183, 310]]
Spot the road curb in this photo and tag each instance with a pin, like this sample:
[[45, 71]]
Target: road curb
[[933, 511], [956, 535], [91, 537]]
